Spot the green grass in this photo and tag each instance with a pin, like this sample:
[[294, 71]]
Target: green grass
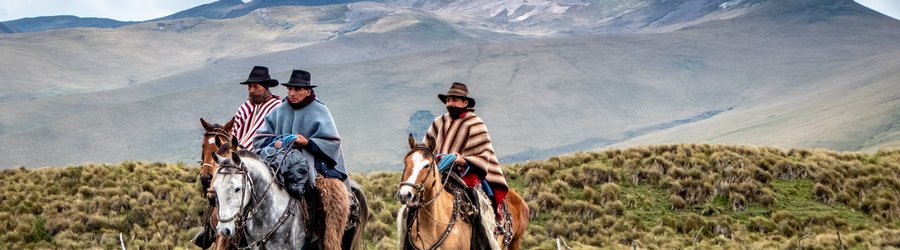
[[158, 205]]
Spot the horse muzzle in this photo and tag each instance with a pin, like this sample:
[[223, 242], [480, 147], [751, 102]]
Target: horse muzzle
[[225, 229], [406, 196]]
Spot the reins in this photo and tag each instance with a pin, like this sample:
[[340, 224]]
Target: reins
[[413, 211], [244, 214]]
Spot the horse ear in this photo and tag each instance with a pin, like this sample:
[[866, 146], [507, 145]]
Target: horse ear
[[216, 158], [235, 145], [412, 141], [229, 125], [429, 141], [236, 159], [205, 125]]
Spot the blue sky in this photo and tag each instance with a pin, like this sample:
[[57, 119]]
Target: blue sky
[[140, 10]]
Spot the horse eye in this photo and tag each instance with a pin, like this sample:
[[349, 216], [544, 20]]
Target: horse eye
[[237, 190]]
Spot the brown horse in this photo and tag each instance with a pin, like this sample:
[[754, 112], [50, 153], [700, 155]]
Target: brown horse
[[430, 216], [216, 139]]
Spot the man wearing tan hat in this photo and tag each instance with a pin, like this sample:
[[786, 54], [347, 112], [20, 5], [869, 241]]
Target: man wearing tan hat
[[462, 133]]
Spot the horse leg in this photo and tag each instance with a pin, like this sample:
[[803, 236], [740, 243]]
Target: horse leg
[[519, 212]]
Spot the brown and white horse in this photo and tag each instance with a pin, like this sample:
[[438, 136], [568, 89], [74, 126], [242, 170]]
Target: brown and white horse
[[216, 139], [435, 221]]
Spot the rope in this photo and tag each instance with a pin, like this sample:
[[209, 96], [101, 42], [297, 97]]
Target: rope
[[447, 161], [270, 149]]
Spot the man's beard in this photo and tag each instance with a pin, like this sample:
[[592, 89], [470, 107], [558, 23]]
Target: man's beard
[[456, 112], [257, 99]]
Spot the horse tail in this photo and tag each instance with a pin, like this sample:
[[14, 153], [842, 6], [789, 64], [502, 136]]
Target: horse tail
[[353, 238]]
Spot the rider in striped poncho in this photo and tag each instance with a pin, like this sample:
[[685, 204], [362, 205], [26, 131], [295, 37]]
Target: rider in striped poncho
[[462, 133], [250, 116]]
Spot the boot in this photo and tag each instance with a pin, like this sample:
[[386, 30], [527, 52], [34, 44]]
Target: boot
[[205, 238], [336, 202]]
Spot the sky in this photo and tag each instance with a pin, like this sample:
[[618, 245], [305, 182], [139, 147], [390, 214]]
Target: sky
[[140, 10]]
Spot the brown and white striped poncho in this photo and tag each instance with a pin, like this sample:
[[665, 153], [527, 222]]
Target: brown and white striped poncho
[[468, 137], [249, 117]]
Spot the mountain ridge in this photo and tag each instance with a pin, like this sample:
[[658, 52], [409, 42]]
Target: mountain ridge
[[380, 64]]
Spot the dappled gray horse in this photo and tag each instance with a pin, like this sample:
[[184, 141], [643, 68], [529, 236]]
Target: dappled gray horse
[[253, 209]]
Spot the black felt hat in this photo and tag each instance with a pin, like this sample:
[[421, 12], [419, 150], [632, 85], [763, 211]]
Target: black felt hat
[[299, 78], [260, 75]]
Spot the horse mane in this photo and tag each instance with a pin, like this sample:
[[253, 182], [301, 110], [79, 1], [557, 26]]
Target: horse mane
[[243, 153]]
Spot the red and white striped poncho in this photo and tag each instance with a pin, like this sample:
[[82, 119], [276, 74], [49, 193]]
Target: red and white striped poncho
[[249, 117]]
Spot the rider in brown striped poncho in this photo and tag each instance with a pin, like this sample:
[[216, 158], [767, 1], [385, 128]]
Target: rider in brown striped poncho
[[463, 133]]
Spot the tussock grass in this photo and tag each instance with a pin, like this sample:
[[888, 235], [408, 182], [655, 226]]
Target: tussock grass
[[653, 197]]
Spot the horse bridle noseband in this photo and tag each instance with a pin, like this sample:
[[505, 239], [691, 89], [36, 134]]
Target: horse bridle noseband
[[242, 170], [419, 187]]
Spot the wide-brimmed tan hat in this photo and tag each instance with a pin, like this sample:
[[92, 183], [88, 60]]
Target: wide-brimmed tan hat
[[460, 90]]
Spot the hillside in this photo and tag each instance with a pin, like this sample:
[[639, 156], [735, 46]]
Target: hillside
[[812, 74], [656, 197], [35, 24]]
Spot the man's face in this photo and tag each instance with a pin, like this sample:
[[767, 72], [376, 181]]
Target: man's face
[[296, 94], [457, 102], [255, 90]]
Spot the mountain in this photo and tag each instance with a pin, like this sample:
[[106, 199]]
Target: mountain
[[784, 73], [223, 9], [34, 24], [6, 29]]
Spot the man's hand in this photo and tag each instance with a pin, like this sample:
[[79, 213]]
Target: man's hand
[[301, 141], [459, 163]]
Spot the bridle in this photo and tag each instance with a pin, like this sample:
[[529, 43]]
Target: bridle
[[245, 178], [245, 213], [413, 211], [419, 187], [221, 137]]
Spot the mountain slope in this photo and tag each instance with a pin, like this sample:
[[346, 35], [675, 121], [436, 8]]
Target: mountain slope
[[6, 29], [34, 24], [224, 9], [378, 65]]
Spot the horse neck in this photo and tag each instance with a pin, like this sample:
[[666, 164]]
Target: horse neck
[[440, 209], [268, 198]]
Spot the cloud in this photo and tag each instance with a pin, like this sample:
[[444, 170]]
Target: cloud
[[130, 10], [887, 7]]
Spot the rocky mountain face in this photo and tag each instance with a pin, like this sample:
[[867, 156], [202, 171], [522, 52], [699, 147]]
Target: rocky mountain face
[[804, 73]]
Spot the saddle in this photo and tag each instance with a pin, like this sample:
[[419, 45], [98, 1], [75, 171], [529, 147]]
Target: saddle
[[469, 208], [294, 173]]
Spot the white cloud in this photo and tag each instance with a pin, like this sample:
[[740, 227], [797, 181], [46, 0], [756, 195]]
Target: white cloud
[[887, 7], [127, 10]]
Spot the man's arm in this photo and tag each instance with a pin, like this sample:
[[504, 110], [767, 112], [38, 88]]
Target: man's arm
[[265, 134]]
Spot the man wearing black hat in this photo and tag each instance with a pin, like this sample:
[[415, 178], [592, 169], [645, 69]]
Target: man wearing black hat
[[251, 115], [305, 117]]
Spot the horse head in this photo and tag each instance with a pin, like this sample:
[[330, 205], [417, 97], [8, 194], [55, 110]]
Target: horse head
[[216, 139], [419, 166], [233, 192]]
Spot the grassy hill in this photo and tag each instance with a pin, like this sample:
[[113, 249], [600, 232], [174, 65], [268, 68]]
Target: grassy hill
[[657, 197]]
